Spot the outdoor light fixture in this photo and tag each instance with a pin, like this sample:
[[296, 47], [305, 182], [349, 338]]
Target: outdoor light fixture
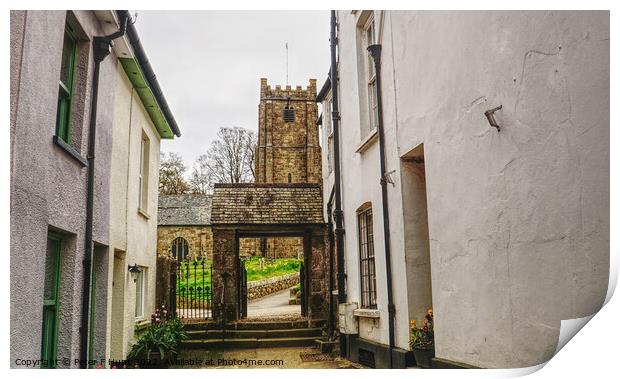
[[491, 117], [134, 271]]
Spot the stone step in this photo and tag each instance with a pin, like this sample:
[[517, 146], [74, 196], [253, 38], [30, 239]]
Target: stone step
[[247, 343], [276, 333], [257, 325]]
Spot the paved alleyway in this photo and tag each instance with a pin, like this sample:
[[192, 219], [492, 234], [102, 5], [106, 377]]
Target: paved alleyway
[[273, 305], [281, 357]]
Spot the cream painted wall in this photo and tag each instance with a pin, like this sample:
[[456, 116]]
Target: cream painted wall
[[518, 220], [132, 232]]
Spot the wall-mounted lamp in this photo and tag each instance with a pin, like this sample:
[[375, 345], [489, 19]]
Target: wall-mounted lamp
[[134, 271], [491, 117]]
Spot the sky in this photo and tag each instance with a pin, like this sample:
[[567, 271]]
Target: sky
[[209, 65]]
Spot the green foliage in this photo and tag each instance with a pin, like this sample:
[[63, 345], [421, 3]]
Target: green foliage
[[194, 281], [271, 268], [162, 336]]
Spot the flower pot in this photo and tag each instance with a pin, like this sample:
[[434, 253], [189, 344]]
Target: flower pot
[[423, 356]]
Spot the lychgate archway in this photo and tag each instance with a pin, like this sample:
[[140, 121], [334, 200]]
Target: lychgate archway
[[267, 210]]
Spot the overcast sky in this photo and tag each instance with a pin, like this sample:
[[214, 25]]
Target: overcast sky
[[209, 64]]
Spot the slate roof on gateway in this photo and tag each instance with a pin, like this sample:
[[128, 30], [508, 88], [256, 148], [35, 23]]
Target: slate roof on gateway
[[180, 210], [267, 203]]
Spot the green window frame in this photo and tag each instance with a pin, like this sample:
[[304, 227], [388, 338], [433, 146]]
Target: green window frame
[[49, 338], [65, 85]]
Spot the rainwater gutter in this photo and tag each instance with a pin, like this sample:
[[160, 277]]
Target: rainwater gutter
[[150, 76]]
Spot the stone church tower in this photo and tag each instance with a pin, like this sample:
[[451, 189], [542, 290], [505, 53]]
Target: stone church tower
[[288, 148]]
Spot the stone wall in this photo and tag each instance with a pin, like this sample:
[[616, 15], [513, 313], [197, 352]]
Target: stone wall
[[281, 247], [264, 287], [199, 238]]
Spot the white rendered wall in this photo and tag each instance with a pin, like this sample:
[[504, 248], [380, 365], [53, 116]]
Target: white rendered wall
[[130, 231], [518, 220]]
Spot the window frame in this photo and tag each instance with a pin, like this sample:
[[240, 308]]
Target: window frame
[[369, 36], [140, 283], [367, 268], [143, 174], [174, 249], [65, 90], [329, 131], [51, 305], [288, 114]]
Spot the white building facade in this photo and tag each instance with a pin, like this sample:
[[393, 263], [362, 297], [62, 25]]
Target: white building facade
[[139, 125], [503, 232]]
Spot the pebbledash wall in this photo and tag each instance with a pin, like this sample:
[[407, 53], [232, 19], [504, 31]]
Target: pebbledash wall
[[517, 221], [48, 184]]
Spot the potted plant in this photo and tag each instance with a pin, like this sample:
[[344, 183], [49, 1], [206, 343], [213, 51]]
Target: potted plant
[[157, 346], [422, 340]]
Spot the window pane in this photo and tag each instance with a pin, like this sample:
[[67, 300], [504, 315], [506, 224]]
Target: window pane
[[67, 62], [139, 289], [367, 262], [49, 292], [143, 174]]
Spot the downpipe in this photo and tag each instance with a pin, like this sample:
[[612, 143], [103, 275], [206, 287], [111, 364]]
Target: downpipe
[[338, 214], [375, 52], [102, 46], [330, 239]]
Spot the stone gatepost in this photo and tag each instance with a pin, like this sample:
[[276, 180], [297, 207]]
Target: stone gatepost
[[165, 280], [225, 299], [318, 294]]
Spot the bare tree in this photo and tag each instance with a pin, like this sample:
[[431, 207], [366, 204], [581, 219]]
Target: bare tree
[[230, 158], [200, 179], [171, 171]]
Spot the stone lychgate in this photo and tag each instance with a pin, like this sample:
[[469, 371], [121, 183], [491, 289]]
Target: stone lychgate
[[252, 210]]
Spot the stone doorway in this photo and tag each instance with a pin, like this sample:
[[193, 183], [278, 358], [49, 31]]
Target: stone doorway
[[259, 210], [271, 277]]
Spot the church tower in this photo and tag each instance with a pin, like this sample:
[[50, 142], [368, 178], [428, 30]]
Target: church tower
[[288, 148]]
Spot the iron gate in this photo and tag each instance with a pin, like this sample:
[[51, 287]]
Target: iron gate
[[193, 290], [302, 288], [243, 293]]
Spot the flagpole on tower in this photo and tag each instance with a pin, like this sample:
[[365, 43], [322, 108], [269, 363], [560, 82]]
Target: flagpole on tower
[[286, 45]]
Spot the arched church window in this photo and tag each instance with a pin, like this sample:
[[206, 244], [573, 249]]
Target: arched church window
[[180, 249], [290, 178]]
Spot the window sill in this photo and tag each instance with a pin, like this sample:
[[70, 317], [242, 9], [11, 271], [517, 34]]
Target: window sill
[[367, 313], [369, 140], [73, 153], [143, 213]]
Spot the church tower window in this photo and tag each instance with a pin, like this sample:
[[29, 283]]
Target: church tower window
[[289, 114]]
